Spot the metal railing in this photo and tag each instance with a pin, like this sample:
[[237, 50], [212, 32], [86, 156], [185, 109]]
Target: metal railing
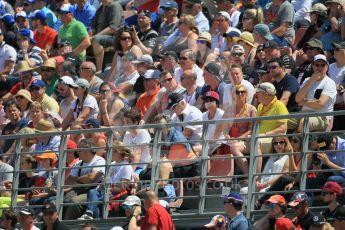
[[156, 145]]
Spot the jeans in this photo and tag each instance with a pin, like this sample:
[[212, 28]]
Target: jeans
[[93, 195], [339, 179]]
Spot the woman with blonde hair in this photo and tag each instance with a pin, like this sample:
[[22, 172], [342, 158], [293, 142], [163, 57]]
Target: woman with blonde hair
[[188, 35], [250, 18]]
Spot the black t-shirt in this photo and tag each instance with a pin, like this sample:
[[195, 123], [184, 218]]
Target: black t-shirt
[[304, 71], [288, 83], [10, 129], [305, 222], [288, 63], [26, 182], [148, 37], [328, 214], [138, 88]]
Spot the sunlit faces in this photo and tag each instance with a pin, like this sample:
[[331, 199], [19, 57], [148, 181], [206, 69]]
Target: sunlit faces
[[236, 75]]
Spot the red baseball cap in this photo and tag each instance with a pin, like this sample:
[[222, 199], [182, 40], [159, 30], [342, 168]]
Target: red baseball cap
[[59, 60], [276, 199], [332, 186], [212, 94], [71, 144], [283, 223]]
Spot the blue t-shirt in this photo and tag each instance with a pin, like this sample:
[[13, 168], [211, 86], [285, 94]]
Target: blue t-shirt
[[240, 222]]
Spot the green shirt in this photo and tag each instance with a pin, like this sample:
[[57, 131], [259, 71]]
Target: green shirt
[[75, 32], [50, 87]]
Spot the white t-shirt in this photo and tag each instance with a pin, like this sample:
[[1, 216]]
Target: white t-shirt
[[212, 128], [96, 161], [335, 73], [199, 78], [190, 113], [142, 137], [65, 107], [228, 98], [275, 164], [327, 87], [7, 53], [89, 101], [121, 172]]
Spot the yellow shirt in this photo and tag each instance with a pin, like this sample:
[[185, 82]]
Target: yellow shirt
[[275, 109], [50, 104]]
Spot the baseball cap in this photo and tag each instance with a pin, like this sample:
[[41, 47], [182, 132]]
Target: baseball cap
[[262, 69], [93, 122], [82, 83], [146, 13], [314, 43], [283, 223], [224, 14], [232, 34], [320, 57], [37, 83], [8, 19], [266, 87], [46, 155], [65, 9], [324, 140], [318, 219], [27, 211], [237, 48], [297, 198], [152, 74], [39, 15], [68, 81], [132, 200], [21, 14], [171, 54], [146, 58], [276, 199], [340, 45], [71, 144], [233, 196], [271, 44], [130, 56], [246, 37], [169, 5], [211, 94], [333, 187], [174, 99], [263, 30], [29, 34], [318, 7], [216, 221], [213, 68]]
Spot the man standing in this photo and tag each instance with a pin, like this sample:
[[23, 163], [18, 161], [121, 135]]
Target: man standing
[[233, 205], [300, 204], [286, 85], [73, 31], [156, 216], [108, 19], [84, 12]]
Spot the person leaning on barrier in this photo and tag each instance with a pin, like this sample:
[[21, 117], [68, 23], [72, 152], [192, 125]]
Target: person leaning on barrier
[[8, 220], [78, 176], [300, 203], [156, 216]]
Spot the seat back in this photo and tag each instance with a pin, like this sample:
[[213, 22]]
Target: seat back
[[221, 167]]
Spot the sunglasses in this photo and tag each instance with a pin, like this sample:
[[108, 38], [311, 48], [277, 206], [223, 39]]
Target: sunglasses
[[46, 70], [271, 206], [184, 58], [203, 42], [279, 142], [236, 54], [127, 206], [125, 38], [26, 4], [272, 67], [324, 193], [166, 80], [104, 91], [180, 22], [319, 65], [240, 92]]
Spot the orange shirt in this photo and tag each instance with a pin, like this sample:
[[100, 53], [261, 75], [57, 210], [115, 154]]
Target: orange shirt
[[145, 100], [48, 37]]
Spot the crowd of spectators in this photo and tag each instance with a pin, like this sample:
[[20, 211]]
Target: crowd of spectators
[[78, 65]]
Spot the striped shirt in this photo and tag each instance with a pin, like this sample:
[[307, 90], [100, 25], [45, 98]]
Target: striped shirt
[[34, 54]]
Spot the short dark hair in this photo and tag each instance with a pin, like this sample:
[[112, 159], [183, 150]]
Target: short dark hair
[[278, 60], [92, 227], [88, 144], [9, 104], [10, 215], [134, 115]]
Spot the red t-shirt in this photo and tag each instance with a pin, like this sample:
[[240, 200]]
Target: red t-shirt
[[159, 216], [151, 6], [48, 37]]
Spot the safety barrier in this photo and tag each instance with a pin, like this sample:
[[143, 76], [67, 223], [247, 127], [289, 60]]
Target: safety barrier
[[202, 180]]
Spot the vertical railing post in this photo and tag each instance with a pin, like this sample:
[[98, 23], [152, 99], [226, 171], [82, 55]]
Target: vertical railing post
[[305, 148], [61, 176], [203, 171], [16, 168], [155, 159], [107, 178], [252, 167]]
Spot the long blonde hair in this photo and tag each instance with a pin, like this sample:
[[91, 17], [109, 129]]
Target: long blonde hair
[[245, 108], [190, 22]]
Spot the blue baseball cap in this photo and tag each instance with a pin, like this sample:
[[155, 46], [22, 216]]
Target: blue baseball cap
[[232, 34], [27, 33], [39, 15], [169, 5], [263, 30], [38, 83], [93, 122], [8, 19], [297, 198], [233, 196], [65, 9]]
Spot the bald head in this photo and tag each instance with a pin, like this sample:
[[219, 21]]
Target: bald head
[[150, 196]]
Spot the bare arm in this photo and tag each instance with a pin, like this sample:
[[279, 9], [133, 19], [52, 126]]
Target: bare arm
[[7, 67], [317, 103], [113, 70], [282, 128], [285, 97], [67, 121], [89, 178], [84, 114], [281, 30], [82, 46]]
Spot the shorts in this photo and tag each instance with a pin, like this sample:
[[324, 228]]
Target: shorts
[[104, 40]]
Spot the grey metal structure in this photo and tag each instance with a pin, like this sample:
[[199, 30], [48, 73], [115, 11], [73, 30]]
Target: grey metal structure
[[202, 211]]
